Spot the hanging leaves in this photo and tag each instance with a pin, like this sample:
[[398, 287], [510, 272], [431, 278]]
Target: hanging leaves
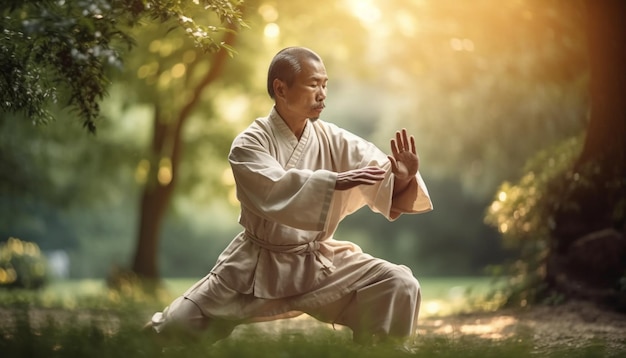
[[61, 52]]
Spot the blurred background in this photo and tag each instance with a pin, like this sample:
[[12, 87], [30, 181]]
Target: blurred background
[[482, 85]]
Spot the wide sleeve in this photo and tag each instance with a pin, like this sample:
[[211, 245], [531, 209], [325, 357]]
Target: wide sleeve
[[357, 153], [413, 200], [299, 198]]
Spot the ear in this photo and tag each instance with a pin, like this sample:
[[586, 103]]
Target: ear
[[279, 88]]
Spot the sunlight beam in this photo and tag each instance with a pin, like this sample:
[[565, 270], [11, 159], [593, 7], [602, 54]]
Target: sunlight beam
[[365, 10]]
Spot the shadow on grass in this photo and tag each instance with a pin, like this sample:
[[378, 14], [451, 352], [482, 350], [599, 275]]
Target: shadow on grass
[[62, 323], [66, 334]]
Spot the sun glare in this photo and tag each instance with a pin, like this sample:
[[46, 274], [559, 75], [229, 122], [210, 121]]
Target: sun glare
[[271, 30], [164, 175], [365, 10], [269, 15], [268, 12]]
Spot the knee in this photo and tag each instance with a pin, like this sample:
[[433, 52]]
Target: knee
[[403, 280]]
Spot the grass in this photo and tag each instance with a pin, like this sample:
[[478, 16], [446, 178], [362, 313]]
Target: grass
[[73, 339], [441, 296], [83, 319]]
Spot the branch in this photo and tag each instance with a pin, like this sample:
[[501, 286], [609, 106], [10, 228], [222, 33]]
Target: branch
[[218, 63]]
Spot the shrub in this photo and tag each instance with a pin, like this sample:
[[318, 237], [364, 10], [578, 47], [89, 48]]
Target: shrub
[[523, 214], [22, 265]]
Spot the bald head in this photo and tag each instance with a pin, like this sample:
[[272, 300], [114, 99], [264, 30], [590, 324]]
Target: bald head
[[286, 64]]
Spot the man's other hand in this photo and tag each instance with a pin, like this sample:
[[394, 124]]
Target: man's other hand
[[362, 176]]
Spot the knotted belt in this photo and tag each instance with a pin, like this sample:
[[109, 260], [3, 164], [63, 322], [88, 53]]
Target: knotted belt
[[312, 247]]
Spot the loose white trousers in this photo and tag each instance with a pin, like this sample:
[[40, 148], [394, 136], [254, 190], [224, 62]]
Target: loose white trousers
[[385, 306]]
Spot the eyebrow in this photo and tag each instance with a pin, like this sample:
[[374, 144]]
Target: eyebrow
[[319, 78]]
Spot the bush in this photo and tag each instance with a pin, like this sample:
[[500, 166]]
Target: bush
[[22, 265], [523, 213]]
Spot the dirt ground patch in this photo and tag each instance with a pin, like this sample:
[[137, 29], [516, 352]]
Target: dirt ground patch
[[572, 324]]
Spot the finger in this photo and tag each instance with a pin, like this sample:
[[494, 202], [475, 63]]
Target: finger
[[373, 174], [394, 164], [365, 182], [394, 147], [413, 150], [375, 169], [399, 141], [405, 139], [368, 178], [367, 172], [374, 177]]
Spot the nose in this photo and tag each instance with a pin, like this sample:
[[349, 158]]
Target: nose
[[321, 94]]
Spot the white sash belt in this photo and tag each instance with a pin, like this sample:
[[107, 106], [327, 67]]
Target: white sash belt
[[312, 247]]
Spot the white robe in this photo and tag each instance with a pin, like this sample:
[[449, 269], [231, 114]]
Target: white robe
[[290, 211]]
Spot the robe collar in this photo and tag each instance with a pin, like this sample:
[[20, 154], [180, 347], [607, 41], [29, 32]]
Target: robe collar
[[284, 131], [297, 146]]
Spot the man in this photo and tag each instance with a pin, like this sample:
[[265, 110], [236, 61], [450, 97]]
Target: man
[[297, 177]]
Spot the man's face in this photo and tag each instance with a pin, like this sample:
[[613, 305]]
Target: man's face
[[305, 98]]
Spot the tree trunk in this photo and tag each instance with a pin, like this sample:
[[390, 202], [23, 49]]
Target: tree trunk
[[167, 144], [155, 199], [588, 255], [606, 132]]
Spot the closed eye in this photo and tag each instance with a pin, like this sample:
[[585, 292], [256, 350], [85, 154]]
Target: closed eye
[[315, 85]]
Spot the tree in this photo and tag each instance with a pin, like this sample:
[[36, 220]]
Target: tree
[[165, 153], [66, 49], [567, 212], [588, 238]]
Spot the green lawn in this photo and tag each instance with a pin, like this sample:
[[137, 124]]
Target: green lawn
[[80, 318], [442, 295]]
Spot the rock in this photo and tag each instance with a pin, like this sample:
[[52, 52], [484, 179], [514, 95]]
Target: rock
[[598, 259]]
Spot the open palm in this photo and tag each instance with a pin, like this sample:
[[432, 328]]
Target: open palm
[[404, 159]]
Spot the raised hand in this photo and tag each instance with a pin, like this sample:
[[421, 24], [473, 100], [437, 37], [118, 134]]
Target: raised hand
[[362, 176], [404, 159]]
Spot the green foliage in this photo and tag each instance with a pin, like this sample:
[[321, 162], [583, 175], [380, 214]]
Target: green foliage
[[55, 181], [228, 12], [59, 43], [101, 334], [22, 265], [523, 213], [66, 48], [125, 285]]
